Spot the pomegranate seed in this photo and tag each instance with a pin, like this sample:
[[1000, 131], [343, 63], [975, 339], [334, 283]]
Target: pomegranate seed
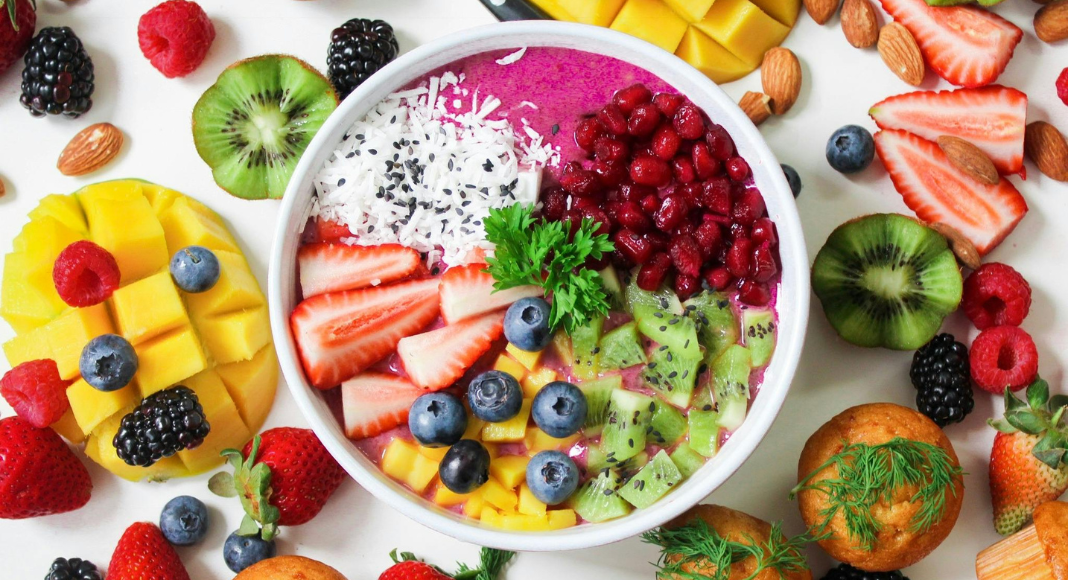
[[668, 104], [693, 192], [737, 168], [598, 216], [686, 286], [753, 293], [666, 141], [581, 203], [634, 248], [587, 133], [578, 181], [610, 173], [643, 121], [652, 274], [709, 238], [658, 240], [764, 267], [703, 163], [612, 208], [718, 278], [651, 204], [764, 232], [717, 196], [686, 256], [739, 256], [689, 122], [597, 264], [554, 203], [629, 98], [573, 217], [739, 231], [631, 216], [719, 142], [748, 208], [612, 118], [721, 220], [682, 169], [671, 213], [609, 149], [634, 192], [650, 170]]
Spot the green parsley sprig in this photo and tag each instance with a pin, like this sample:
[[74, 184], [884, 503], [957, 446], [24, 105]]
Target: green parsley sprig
[[532, 251], [868, 474]]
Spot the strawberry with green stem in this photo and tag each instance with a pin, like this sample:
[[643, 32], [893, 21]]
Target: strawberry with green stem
[[18, 19], [407, 567]]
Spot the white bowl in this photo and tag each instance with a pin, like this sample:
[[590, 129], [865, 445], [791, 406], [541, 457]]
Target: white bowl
[[792, 306]]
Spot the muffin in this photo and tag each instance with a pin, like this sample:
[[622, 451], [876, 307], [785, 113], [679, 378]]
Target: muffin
[[1037, 552], [289, 568], [896, 540], [1051, 524]]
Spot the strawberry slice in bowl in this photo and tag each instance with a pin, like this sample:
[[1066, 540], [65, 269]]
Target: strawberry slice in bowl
[[376, 402], [330, 267], [436, 359], [467, 291]]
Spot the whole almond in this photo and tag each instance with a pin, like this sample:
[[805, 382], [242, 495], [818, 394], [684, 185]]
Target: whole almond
[[2, 189], [756, 106], [781, 76], [1051, 21], [1045, 145], [821, 10], [900, 52], [859, 23], [969, 159], [962, 247], [89, 150]]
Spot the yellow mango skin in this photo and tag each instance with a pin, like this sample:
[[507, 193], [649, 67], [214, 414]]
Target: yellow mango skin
[[651, 21], [709, 57], [252, 385], [743, 29]]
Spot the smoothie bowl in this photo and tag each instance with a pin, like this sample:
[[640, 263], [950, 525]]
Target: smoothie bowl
[[535, 296]]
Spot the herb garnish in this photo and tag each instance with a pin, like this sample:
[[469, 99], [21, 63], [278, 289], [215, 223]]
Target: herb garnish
[[532, 251], [709, 556], [868, 474]]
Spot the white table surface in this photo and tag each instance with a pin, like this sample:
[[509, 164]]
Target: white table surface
[[356, 532]]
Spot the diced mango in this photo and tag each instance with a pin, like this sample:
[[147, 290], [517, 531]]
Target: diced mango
[[237, 336], [473, 506], [707, 56], [160, 198], [524, 523], [510, 470], [511, 430], [498, 496], [24, 304], [538, 440], [785, 11], [167, 360], [507, 364], [561, 344], [148, 308], [27, 346], [43, 239], [116, 190], [67, 427], [528, 504], [130, 231], [651, 21], [691, 10], [474, 427], [252, 385], [560, 519], [595, 12], [403, 462], [64, 209], [446, 497], [226, 424], [61, 340], [433, 453], [237, 289], [91, 407], [186, 225], [743, 29], [490, 517], [100, 449], [536, 380], [526, 358]]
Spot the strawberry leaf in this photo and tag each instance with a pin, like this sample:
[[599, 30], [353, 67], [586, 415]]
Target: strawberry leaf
[[1026, 422], [1011, 402], [222, 485], [248, 527], [1051, 457], [1038, 394], [1002, 426], [1058, 402]]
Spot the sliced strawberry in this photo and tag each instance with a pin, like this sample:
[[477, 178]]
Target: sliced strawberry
[[467, 291], [331, 267], [342, 333], [330, 231], [939, 192], [436, 359], [992, 118], [966, 45], [375, 403]]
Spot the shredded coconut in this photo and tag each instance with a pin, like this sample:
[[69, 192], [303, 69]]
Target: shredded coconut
[[515, 56]]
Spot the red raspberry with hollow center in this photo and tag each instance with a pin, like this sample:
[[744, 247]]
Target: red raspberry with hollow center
[[996, 295], [1003, 356], [36, 392], [85, 274], [175, 37], [1062, 86]]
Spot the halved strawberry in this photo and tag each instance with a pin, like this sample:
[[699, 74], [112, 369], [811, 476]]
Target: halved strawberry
[[939, 192], [436, 359], [966, 45], [467, 291], [375, 403], [331, 267], [992, 118], [330, 231], [342, 333]]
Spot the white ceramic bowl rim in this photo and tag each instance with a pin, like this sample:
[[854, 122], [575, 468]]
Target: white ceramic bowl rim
[[792, 303]]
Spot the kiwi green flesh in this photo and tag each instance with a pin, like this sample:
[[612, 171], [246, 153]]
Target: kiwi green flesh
[[886, 280], [653, 482], [252, 126]]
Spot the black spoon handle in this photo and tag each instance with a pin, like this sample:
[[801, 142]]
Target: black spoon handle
[[506, 10]]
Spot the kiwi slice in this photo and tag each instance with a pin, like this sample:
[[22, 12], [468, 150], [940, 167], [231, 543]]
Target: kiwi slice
[[627, 424], [254, 123], [759, 336], [598, 500], [886, 280], [687, 460], [598, 392], [622, 348], [667, 425], [653, 482], [704, 432], [584, 344], [717, 326]]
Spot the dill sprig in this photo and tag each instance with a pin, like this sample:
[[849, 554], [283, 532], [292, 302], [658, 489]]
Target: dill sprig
[[709, 555], [868, 474], [491, 562]]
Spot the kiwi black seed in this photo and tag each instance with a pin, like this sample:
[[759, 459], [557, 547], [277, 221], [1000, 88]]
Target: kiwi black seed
[[886, 280], [252, 126]]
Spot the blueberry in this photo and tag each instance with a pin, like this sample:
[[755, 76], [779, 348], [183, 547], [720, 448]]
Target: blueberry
[[526, 324], [552, 477], [108, 362], [559, 409], [495, 396], [465, 466], [793, 179], [437, 420], [184, 521], [850, 149], [195, 269], [240, 552]]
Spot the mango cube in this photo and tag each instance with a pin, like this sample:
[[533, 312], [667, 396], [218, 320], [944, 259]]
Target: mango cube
[[29, 345], [528, 504], [100, 449], [24, 304], [474, 427], [743, 29], [167, 360], [707, 56], [433, 453], [510, 470], [130, 231], [524, 523], [237, 289], [595, 12], [785, 11], [252, 385], [562, 345], [536, 380], [61, 340], [187, 225], [490, 517], [538, 440], [148, 308], [403, 462], [42, 240], [446, 497], [226, 424], [560, 519], [91, 407], [237, 336], [105, 191], [67, 427], [691, 10], [499, 496], [473, 506], [651, 21], [511, 430], [525, 358], [509, 365], [64, 209]]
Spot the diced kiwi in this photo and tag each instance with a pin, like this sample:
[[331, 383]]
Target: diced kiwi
[[642, 303], [622, 348], [759, 337], [667, 425], [687, 460], [624, 431], [673, 375], [717, 326], [886, 280], [732, 412], [584, 345], [730, 384], [653, 482], [598, 499], [612, 287], [704, 432], [252, 126], [598, 392]]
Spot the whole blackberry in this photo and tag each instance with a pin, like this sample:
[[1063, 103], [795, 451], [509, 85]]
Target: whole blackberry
[[162, 425], [941, 375], [58, 77], [358, 48], [847, 572], [72, 569]]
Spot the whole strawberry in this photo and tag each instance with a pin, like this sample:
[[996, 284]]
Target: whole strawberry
[[39, 474], [1027, 463], [175, 37], [144, 554], [18, 19], [407, 567]]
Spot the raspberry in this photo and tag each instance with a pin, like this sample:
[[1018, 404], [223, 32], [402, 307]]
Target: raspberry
[[1003, 356], [85, 274], [996, 295], [36, 392], [1062, 86], [175, 37]]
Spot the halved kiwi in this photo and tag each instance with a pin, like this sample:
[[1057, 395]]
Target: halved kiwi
[[886, 280], [253, 124]]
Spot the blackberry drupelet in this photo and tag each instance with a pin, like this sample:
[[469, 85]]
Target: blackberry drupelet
[[942, 378], [58, 76], [847, 572], [162, 425], [358, 48], [72, 569]]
